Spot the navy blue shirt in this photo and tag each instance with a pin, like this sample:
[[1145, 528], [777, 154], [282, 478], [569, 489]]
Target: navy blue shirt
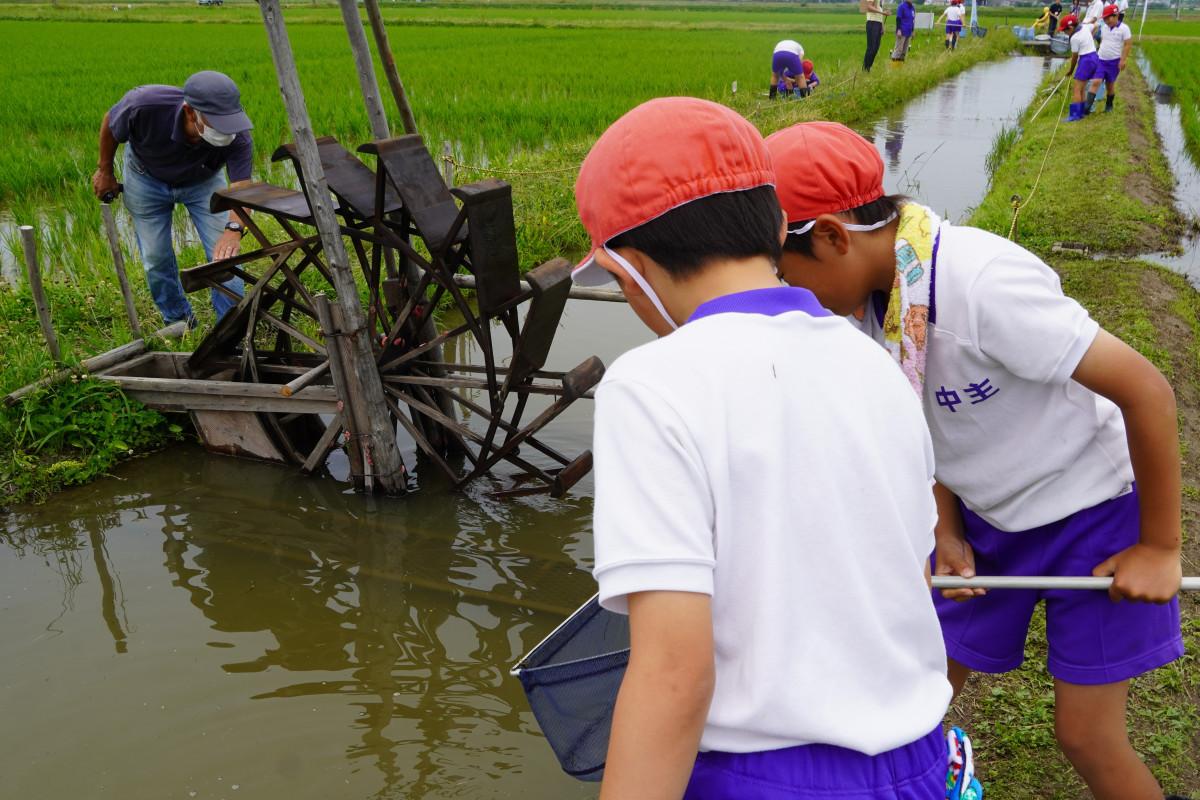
[[150, 119]]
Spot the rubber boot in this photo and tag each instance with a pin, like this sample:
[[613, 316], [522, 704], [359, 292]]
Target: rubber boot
[[774, 90], [1108, 101], [947, 43], [1076, 112], [1091, 101]]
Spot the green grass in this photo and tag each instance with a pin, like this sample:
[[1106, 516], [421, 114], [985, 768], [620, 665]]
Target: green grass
[[1175, 63], [1115, 199]]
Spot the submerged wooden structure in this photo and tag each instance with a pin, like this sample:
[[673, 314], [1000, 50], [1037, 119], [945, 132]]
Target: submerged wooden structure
[[332, 344]]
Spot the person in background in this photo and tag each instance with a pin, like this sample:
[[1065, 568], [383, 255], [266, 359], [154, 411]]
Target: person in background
[[177, 141], [1122, 7], [905, 18], [1084, 62], [787, 68], [1056, 443], [1055, 13], [1116, 40], [875, 13], [1094, 16], [953, 15], [1042, 23], [811, 79], [778, 624]]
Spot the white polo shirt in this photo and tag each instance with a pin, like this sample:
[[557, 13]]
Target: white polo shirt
[[1093, 14], [790, 46], [1112, 41], [1083, 41], [770, 456], [955, 13], [1017, 439]]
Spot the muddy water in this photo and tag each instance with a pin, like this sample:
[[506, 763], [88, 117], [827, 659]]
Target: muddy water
[[934, 148], [201, 627], [1187, 181]]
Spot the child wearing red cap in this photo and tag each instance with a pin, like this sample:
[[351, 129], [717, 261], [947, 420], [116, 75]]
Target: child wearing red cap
[[953, 15], [1116, 40], [1084, 63], [1041, 422], [778, 624]]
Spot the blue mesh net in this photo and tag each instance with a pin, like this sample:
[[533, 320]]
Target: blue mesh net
[[571, 680]]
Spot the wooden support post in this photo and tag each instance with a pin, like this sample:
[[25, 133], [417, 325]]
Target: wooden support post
[[362, 372], [114, 244], [447, 164], [39, 293], [389, 65], [352, 418], [365, 68]]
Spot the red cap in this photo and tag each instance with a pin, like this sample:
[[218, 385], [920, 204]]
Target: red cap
[[1111, 10], [807, 66], [659, 156], [841, 170], [1069, 19]]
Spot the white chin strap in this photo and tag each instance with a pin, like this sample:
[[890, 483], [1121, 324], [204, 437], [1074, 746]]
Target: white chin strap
[[641, 282], [850, 226]]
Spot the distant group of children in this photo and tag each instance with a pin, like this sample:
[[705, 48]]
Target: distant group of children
[[1093, 65], [774, 487]]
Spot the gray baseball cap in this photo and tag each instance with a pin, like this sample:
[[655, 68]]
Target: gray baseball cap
[[216, 96]]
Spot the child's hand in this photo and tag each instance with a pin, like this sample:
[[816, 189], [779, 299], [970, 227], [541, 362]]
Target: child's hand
[[1144, 573], [955, 557]]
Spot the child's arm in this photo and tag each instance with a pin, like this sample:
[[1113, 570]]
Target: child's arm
[[664, 697], [953, 555], [1149, 570]]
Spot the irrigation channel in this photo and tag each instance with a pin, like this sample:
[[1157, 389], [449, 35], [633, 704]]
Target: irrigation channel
[[201, 627]]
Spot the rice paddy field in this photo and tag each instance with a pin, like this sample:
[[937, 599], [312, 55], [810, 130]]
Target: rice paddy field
[[1175, 63]]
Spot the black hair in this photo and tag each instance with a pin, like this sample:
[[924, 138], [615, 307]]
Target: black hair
[[868, 214], [733, 225]]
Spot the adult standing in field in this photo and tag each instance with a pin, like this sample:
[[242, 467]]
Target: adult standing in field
[[906, 16], [177, 140], [875, 14], [1116, 40]]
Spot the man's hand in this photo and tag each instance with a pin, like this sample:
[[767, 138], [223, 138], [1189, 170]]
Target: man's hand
[[228, 246], [1143, 572], [104, 182], [954, 556]]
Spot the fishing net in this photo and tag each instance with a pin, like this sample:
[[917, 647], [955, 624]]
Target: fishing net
[[571, 680]]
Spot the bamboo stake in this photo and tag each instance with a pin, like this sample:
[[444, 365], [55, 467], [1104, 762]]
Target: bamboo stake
[[577, 292], [389, 66], [114, 244], [447, 164], [39, 293], [362, 372], [365, 68]]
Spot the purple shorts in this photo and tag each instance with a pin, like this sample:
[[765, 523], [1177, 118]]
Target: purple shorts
[[915, 771], [785, 63], [954, 27], [1092, 639], [1109, 70], [1088, 67]]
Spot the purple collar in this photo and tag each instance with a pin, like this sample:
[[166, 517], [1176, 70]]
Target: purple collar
[[769, 302]]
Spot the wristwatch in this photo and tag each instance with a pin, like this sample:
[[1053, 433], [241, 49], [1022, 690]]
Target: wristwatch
[[236, 226]]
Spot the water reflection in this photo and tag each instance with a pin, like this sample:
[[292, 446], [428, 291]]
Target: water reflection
[[407, 612]]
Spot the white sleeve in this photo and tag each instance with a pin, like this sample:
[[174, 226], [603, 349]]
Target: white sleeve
[[653, 518], [1021, 318]]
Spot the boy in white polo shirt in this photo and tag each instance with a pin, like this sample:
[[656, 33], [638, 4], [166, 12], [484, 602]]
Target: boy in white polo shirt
[[1116, 40], [1084, 63], [762, 508], [1041, 422]]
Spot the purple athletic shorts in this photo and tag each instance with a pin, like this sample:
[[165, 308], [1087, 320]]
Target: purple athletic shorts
[[1088, 67], [915, 771], [1092, 639], [1109, 70], [954, 27], [785, 63]]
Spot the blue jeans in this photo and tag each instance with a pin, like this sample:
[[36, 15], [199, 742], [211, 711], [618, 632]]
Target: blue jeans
[[151, 203]]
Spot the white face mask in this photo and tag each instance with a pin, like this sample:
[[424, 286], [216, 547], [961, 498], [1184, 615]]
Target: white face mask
[[641, 282], [214, 136], [850, 226]]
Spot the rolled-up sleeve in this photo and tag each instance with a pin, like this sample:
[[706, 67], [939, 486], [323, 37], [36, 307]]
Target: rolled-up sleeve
[[654, 511], [119, 116], [241, 159]]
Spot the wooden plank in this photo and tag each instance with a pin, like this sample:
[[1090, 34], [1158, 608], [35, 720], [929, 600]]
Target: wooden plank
[[235, 433], [214, 388], [326, 443], [275, 201], [97, 363], [385, 451], [577, 292], [180, 401], [34, 268]]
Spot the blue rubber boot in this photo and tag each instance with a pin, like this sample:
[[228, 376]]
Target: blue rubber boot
[[1076, 112]]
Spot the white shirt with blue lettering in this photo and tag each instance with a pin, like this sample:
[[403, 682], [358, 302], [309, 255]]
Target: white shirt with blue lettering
[[1019, 441]]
